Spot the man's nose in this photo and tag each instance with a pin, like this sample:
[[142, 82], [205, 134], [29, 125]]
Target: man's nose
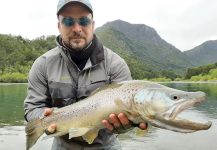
[[76, 27]]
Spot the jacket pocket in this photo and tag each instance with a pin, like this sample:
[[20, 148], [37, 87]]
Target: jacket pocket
[[85, 91], [62, 94]]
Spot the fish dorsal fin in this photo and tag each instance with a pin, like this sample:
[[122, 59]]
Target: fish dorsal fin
[[76, 132], [90, 136], [105, 87]]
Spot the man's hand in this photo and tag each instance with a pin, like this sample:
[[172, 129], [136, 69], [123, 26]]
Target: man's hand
[[120, 123], [52, 128]]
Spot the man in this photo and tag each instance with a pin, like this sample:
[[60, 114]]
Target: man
[[71, 71]]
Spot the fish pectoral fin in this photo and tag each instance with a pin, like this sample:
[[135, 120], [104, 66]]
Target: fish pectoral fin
[[76, 132], [90, 136]]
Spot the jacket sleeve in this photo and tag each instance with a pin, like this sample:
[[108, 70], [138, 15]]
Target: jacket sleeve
[[37, 93], [118, 69]]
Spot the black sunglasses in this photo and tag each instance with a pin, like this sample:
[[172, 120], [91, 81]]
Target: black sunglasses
[[69, 21]]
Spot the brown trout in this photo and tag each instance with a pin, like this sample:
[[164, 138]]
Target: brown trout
[[141, 101]]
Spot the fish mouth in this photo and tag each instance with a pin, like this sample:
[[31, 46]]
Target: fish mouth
[[179, 124], [182, 105]]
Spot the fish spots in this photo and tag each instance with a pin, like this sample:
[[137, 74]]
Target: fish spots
[[138, 103], [127, 90], [93, 106]]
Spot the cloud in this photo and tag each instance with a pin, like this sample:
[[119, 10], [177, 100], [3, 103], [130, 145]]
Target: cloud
[[188, 25], [28, 18]]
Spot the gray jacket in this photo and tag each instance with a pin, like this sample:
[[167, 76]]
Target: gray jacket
[[56, 81]]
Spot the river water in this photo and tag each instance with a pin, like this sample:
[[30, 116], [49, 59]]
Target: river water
[[12, 135]]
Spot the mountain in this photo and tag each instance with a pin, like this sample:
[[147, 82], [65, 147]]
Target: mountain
[[143, 45], [203, 54]]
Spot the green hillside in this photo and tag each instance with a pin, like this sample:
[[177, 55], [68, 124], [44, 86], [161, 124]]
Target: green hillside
[[118, 42], [204, 54], [17, 55], [145, 44]]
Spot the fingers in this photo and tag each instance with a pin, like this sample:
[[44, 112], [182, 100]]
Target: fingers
[[118, 122], [47, 111], [51, 129], [123, 119], [107, 125], [143, 126], [112, 122], [113, 119]]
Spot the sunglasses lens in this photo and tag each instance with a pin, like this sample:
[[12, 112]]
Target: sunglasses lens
[[84, 21], [68, 21]]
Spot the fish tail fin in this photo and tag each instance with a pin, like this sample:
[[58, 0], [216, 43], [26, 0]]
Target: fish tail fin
[[34, 130]]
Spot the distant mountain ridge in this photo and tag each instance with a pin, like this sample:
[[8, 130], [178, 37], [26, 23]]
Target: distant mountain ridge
[[203, 54], [144, 43]]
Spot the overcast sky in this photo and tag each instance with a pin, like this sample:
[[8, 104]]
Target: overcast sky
[[183, 23]]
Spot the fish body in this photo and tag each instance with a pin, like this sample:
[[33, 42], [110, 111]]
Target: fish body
[[141, 101]]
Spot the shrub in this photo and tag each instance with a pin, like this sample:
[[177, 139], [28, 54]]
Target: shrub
[[13, 78], [163, 79]]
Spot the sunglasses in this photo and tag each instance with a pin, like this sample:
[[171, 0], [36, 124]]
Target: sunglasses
[[69, 21]]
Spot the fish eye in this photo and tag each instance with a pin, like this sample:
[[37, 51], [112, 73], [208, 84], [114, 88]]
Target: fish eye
[[175, 97]]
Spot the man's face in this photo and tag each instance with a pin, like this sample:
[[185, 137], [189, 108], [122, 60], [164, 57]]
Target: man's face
[[74, 34]]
